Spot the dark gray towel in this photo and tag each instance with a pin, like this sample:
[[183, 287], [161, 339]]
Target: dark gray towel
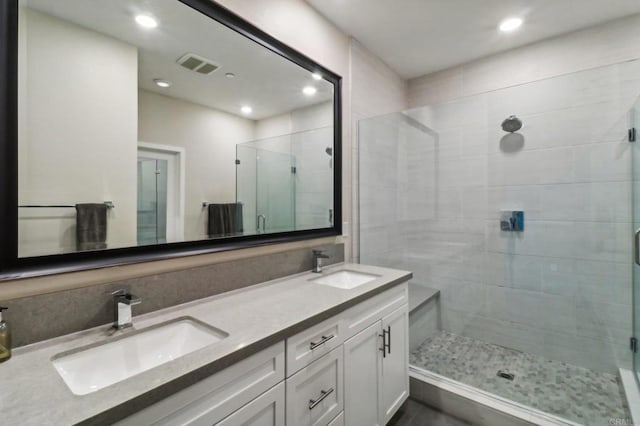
[[91, 226], [224, 220]]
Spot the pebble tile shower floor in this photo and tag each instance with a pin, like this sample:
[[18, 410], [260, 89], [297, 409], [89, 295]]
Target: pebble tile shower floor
[[574, 393]]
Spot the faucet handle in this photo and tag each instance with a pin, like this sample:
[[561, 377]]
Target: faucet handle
[[133, 300], [320, 254], [130, 299]]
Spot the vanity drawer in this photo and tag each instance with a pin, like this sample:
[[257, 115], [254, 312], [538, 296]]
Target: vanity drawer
[[265, 410], [361, 316], [313, 343], [315, 393], [338, 421], [217, 396]]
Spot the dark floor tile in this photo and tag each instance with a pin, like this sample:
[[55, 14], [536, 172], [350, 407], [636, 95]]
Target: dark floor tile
[[414, 413]]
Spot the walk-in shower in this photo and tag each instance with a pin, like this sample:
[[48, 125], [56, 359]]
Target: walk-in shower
[[540, 318]]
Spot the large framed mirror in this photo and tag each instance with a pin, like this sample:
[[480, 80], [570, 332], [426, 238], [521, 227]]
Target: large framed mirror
[[135, 130]]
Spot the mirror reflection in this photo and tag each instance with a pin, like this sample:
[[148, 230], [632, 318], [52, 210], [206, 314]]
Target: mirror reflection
[[148, 122]]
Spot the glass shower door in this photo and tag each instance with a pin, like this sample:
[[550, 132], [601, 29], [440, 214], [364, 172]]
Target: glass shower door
[[246, 186], [635, 185], [265, 185], [275, 192]]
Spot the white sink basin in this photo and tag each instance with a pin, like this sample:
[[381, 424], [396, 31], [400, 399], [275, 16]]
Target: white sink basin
[[345, 279], [94, 367]]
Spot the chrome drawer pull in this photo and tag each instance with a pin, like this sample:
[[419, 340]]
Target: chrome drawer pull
[[323, 395], [636, 246], [324, 340]]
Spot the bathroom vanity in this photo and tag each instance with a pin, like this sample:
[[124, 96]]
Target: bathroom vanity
[[309, 349]]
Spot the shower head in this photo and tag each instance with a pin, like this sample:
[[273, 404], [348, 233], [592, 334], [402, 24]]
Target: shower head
[[329, 151], [511, 124]]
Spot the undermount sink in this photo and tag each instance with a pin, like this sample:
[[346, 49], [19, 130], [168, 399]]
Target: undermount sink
[[345, 279], [94, 367]]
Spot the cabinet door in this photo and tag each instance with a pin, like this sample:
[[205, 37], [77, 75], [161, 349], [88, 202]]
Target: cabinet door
[[362, 372], [265, 410], [395, 365]]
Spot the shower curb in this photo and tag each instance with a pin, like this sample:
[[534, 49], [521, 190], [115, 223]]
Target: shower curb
[[476, 397], [631, 392]]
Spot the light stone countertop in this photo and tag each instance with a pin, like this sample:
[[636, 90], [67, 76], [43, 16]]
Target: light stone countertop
[[32, 392]]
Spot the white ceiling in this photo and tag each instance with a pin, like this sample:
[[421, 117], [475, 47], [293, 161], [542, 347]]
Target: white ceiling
[[268, 83], [418, 37]]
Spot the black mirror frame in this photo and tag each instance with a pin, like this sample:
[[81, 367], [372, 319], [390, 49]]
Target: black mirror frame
[[14, 267]]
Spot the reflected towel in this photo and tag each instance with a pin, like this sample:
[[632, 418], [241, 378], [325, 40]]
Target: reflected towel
[[224, 220], [91, 226]]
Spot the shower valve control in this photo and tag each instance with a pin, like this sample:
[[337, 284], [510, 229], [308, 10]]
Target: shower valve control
[[512, 220]]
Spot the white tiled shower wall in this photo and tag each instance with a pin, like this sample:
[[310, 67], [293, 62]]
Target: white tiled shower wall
[[314, 170], [562, 288]]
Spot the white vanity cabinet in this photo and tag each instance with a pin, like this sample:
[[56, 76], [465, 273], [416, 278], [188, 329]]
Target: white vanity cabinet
[[341, 360], [376, 364], [351, 369]]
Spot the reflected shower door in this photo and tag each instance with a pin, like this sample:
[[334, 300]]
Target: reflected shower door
[[275, 194], [635, 167], [265, 186], [246, 186]]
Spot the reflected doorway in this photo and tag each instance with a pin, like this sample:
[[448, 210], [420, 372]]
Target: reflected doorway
[[160, 203]]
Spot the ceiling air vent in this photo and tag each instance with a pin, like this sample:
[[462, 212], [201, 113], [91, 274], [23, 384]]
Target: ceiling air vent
[[196, 63]]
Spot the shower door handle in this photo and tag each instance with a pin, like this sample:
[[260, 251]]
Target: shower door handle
[[636, 247], [264, 223]]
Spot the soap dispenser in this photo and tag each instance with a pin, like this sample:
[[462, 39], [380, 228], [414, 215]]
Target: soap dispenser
[[5, 338]]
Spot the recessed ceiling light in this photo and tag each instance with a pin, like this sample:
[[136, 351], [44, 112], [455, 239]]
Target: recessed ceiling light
[[146, 21], [230, 75], [309, 90], [510, 24], [316, 76], [246, 109], [162, 83]]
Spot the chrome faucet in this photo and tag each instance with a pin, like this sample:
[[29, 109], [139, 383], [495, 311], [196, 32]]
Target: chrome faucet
[[318, 255], [122, 302]]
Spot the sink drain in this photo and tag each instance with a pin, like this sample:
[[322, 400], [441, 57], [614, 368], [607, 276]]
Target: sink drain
[[506, 375]]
